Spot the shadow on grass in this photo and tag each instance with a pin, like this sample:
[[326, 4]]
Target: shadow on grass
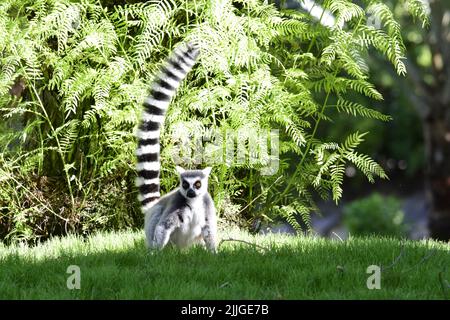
[[303, 269]]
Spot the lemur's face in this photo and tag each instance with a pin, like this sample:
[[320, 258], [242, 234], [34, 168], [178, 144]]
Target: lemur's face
[[193, 183]]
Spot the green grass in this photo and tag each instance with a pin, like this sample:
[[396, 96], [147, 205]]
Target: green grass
[[118, 266]]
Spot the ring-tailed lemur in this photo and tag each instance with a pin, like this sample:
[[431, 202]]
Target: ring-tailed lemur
[[186, 215]]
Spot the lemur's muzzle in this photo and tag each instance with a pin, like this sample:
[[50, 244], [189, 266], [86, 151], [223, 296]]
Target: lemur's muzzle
[[190, 193]]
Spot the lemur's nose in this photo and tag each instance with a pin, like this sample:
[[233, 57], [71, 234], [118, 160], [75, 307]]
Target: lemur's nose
[[190, 193]]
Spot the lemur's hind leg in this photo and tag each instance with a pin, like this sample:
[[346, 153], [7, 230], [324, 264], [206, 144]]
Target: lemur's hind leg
[[209, 235], [209, 230]]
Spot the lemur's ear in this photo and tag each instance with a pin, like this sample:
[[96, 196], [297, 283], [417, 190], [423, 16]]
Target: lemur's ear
[[180, 170], [207, 171]]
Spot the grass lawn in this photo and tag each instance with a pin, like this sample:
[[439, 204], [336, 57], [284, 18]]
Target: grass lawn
[[118, 266]]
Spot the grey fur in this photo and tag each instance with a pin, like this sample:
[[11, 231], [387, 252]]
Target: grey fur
[[181, 220]]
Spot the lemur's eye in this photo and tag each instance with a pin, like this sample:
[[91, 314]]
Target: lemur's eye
[[197, 184], [185, 184]]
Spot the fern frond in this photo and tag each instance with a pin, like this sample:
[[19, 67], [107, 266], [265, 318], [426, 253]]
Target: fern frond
[[155, 15], [76, 88], [337, 178], [68, 134], [352, 141], [362, 86], [418, 9], [345, 11], [289, 212], [325, 167], [368, 166], [355, 109]]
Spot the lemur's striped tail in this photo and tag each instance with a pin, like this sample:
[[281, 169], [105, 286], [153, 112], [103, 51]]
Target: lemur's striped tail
[[165, 85]]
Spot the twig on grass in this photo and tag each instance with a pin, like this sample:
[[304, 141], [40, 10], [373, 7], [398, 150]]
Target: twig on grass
[[424, 258], [337, 236], [402, 251], [243, 241]]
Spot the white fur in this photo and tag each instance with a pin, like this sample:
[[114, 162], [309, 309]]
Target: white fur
[[154, 165], [189, 232], [179, 169], [161, 104], [173, 83], [159, 88], [149, 148], [148, 195], [147, 134], [141, 181], [146, 208], [152, 117], [177, 73]]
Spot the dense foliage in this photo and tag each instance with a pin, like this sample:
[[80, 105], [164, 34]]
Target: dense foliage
[[74, 74]]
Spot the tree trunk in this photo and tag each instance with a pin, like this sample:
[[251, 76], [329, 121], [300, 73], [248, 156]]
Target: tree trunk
[[437, 123], [433, 104], [437, 144]]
